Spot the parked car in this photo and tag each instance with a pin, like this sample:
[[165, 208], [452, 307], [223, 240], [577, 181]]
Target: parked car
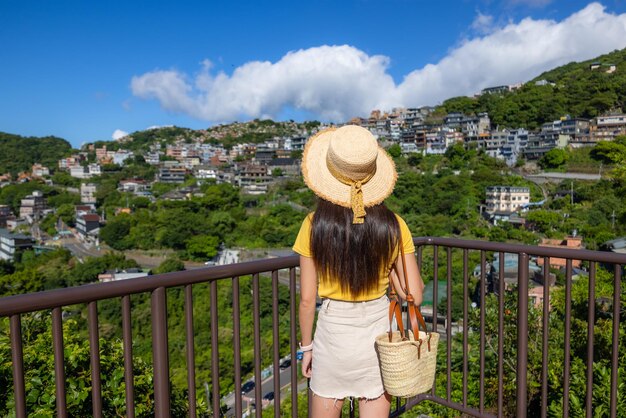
[[247, 387], [269, 396], [285, 364]]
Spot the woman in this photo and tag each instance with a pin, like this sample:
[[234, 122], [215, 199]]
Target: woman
[[347, 250]]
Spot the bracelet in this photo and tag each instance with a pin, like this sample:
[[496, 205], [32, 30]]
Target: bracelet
[[305, 348]]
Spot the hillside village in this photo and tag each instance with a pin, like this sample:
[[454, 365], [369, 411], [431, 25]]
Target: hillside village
[[255, 155], [254, 166]]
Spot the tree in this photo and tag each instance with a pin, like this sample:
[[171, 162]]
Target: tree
[[544, 220], [67, 214], [414, 159], [554, 158], [63, 178], [395, 151], [39, 372], [115, 232], [202, 246], [609, 152], [170, 265]]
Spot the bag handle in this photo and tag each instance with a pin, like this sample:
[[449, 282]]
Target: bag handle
[[415, 316]]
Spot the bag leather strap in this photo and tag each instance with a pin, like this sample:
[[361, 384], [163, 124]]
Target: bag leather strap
[[395, 307]]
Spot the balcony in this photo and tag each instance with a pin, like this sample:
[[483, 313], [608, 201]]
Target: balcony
[[497, 355]]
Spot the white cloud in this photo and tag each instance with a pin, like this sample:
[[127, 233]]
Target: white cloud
[[482, 23], [338, 82], [334, 82], [119, 134]]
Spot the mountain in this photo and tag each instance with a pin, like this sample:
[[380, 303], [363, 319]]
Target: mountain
[[573, 89], [19, 153], [254, 131]]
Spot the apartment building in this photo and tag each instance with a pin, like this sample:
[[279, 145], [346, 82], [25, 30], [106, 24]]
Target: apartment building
[[5, 215], [88, 193], [33, 205], [11, 244], [506, 198], [171, 172], [88, 226], [606, 128], [39, 170]]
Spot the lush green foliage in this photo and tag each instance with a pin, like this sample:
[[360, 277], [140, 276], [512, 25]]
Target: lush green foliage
[[554, 158], [578, 91], [197, 227], [18, 153], [39, 369]]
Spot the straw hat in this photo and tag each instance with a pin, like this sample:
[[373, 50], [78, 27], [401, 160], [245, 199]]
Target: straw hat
[[347, 167]]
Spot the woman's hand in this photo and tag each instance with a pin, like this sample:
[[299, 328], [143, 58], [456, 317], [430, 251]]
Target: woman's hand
[[307, 363]]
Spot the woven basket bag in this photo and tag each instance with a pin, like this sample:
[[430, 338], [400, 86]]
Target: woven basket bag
[[407, 364]]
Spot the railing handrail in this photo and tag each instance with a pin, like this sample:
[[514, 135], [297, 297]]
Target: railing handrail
[[19, 304], [14, 306], [537, 250]]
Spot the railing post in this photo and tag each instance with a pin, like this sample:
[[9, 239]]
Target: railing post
[[17, 354], [160, 356], [522, 334], [59, 362], [94, 351]]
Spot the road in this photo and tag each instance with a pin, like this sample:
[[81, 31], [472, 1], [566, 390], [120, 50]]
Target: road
[[267, 385], [541, 178], [558, 177], [79, 249]]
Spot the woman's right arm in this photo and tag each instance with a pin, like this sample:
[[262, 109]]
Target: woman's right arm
[[308, 295]]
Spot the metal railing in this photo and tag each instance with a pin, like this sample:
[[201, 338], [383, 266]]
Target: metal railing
[[438, 259]]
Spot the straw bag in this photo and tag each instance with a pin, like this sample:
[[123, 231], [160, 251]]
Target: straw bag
[[407, 364]]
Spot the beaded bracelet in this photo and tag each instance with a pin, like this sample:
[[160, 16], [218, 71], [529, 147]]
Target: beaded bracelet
[[305, 348]]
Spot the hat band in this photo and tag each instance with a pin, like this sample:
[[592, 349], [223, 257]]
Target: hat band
[[356, 192]]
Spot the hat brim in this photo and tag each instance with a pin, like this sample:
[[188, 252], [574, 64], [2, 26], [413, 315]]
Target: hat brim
[[319, 179]]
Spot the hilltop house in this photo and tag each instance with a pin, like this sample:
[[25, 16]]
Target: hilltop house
[[5, 214], [88, 193], [569, 242], [506, 198], [11, 244], [171, 172], [33, 205], [88, 227]]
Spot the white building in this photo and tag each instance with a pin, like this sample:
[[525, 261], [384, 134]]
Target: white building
[[88, 193], [120, 156], [11, 243], [81, 172], [506, 198]]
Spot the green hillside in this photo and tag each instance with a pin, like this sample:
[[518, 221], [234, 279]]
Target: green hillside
[[254, 131], [19, 153], [572, 89]]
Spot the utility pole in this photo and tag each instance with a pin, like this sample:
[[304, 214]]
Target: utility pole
[[613, 219], [571, 193]]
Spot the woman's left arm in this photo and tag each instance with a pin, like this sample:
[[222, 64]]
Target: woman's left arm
[[308, 295], [416, 284]]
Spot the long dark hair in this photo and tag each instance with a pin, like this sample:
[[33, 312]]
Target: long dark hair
[[354, 254]]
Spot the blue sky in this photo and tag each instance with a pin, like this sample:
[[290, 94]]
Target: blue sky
[[87, 71]]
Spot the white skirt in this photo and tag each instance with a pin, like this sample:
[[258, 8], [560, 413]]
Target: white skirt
[[345, 363]]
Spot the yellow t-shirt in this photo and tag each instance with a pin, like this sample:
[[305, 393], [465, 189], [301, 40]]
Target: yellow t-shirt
[[331, 288]]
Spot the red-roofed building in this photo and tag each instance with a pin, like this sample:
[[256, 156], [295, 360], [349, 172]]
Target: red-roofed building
[[569, 242]]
